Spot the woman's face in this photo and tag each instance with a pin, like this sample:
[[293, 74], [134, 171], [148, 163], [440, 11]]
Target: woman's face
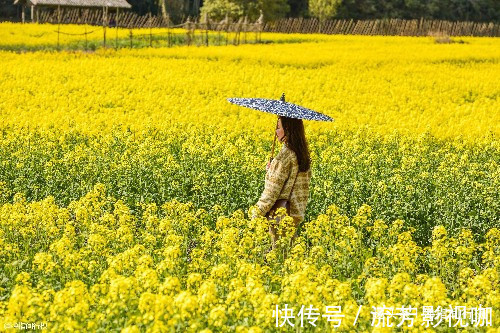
[[280, 132]]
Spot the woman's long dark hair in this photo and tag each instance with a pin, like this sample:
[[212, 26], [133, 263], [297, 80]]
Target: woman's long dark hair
[[296, 141]]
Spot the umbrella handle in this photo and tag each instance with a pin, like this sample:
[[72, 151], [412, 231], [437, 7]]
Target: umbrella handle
[[274, 141]]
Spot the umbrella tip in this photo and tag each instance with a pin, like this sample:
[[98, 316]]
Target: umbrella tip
[[282, 97]]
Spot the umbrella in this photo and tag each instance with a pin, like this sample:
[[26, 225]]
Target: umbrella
[[281, 108]]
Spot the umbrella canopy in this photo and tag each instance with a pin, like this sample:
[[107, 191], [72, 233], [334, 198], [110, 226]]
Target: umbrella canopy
[[280, 107]]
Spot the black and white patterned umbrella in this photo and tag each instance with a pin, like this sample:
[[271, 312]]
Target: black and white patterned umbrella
[[280, 107]]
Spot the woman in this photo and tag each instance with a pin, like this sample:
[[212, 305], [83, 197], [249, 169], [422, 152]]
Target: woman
[[289, 174]]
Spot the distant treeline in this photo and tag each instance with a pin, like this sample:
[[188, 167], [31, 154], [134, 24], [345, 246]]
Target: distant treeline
[[451, 10]]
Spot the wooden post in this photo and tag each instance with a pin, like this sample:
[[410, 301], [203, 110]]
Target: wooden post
[[22, 13], [236, 26], [168, 31], [245, 31], [197, 26], [227, 27], [116, 27], [206, 36], [260, 22], [206, 19], [188, 25], [255, 28], [85, 15], [58, 24], [150, 31], [104, 19]]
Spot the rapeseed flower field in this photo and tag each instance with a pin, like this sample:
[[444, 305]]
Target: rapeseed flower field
[[127, 184]]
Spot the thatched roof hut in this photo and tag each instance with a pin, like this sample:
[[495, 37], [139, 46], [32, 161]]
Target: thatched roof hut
[[75, 3], [105, 4]]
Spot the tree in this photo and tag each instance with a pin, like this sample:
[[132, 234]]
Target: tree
[[298, 8], [323, 9], [162, 5], [271, 9], [357, 9], [218, 9], [7, 9]]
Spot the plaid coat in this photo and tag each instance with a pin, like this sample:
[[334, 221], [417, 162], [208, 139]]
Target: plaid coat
[[284, 181]]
